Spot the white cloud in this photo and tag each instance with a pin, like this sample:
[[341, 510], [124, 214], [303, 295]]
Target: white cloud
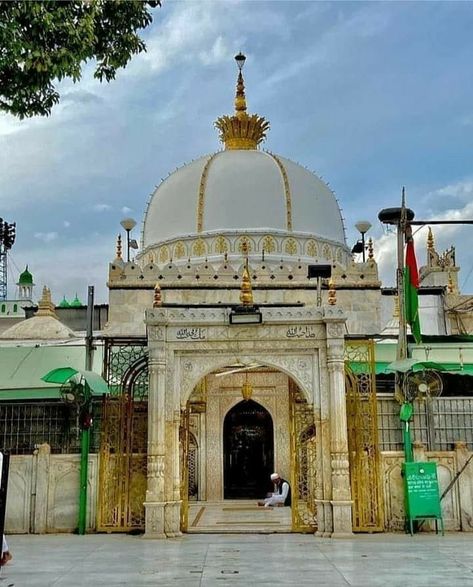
[[219, 52], [46, 237], [126, 210], [461, 189], [101, 207], [66, 223], [189, 30]]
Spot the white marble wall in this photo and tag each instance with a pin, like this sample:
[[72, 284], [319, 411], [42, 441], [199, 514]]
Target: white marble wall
[[43, 493], [43, 490], [457, 506]]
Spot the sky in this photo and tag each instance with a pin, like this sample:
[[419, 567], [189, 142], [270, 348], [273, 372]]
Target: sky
[[370, 96]]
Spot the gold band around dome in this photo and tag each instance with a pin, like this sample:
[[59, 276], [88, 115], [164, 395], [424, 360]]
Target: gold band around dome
[[201, 195], [287, 190]]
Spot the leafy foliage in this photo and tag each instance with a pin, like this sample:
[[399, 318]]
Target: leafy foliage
[[46, 41]]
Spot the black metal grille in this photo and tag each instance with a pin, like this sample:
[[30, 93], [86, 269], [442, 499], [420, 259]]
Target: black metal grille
[[25, 425], [126, 366], [438, 423]]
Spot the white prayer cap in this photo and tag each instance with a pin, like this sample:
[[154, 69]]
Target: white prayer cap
[[274, 476]]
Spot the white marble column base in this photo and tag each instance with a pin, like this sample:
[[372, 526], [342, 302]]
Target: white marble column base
[[154, 519], [172, 519], [342, 519]]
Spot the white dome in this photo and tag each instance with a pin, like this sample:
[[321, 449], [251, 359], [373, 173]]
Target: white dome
[[38, 328], [242, 190]]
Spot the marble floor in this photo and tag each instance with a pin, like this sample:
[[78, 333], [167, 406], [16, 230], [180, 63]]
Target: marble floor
[[242, 516], [388, 560]]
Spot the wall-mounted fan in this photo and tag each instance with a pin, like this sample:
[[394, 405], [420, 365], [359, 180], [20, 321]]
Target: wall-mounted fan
[[422, 385], [73, 392], [237, 368]]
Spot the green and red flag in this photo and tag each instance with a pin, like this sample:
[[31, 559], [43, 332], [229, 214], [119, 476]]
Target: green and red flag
[[411, 285]]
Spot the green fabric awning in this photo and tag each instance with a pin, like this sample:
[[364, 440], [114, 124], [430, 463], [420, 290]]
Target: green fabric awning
[[96, 383], [405, 365], [385, 367], [380, 367]]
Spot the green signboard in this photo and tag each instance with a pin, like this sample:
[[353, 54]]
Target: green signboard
[[422, 499]]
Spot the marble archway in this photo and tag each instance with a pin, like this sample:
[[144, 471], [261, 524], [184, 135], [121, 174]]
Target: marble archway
[[186, 344]]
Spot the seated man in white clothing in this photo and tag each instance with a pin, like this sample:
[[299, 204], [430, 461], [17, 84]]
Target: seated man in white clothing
[[281, 494]]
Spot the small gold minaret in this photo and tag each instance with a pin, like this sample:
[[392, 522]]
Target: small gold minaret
[[242, 130], [157, 299], [430, 240], [332, 293], [45, 304], [246, 293]]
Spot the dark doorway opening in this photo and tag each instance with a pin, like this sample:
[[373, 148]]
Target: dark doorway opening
[[248, 446]]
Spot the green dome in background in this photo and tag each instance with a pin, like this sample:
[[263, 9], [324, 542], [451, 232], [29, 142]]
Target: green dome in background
[[25, 278], [76, 303], [64, 303]]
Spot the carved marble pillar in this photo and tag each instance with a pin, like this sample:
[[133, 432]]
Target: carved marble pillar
[[172, 512], [341, 490], [155, 493]]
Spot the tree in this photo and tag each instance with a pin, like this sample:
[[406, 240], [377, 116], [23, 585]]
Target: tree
[[46, 41]]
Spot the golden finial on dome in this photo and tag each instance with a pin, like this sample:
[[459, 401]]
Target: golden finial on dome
[[157, 300], [242, 130]]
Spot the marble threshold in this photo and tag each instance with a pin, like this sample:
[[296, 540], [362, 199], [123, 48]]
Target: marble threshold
[[237, 516]]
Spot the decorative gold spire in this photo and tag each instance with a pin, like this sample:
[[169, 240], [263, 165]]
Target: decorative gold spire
[[246, 293], [370, 249], [119, 247], [242, 130], [157, 300], [430, 240], [45, 304], [450, 285], [332, 293]]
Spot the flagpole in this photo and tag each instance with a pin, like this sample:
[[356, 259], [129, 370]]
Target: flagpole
[[401, 232]]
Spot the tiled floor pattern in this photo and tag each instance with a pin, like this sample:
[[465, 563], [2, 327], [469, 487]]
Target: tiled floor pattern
[[206, 560]]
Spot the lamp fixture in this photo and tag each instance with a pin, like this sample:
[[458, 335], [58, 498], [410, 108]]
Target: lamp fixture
[[319, 272], [129, 224], [362, 226], [247, 389]]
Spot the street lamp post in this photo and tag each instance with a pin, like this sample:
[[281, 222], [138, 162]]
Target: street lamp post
[[363, 226], [399, 217], [128, 224]]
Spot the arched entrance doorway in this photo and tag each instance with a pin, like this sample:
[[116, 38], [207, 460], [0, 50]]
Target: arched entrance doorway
[[238, 444], [248, 450]]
